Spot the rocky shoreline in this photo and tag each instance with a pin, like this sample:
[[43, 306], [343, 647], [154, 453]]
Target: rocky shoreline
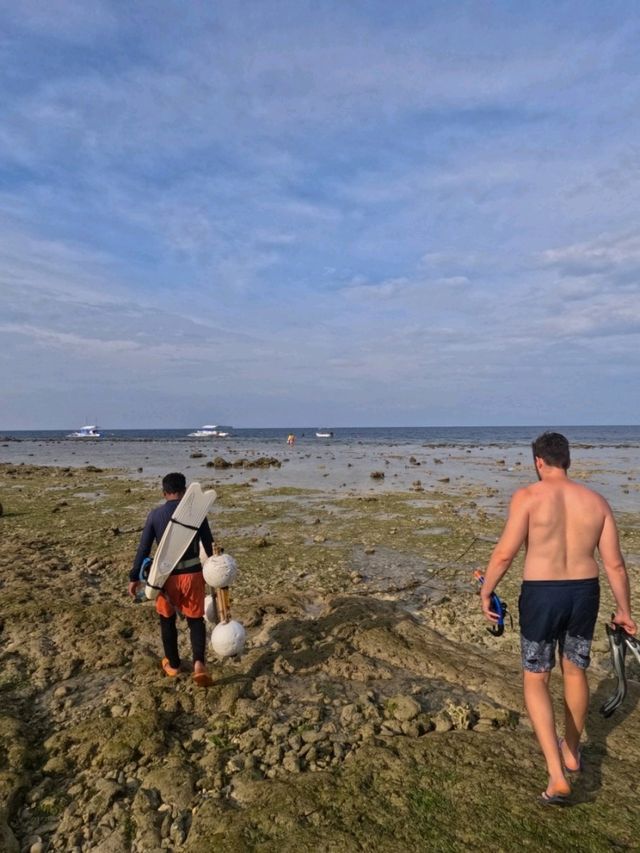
[[371, 710]]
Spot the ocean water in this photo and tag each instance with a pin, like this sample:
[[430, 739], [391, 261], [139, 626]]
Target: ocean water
[[604, 457], [622, 436]]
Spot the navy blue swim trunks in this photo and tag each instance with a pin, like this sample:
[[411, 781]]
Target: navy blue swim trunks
[[557, 612]]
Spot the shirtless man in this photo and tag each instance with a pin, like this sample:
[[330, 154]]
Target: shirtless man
[[561, 523]]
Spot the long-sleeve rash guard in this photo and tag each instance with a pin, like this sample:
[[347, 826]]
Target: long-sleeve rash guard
[[154, 527]]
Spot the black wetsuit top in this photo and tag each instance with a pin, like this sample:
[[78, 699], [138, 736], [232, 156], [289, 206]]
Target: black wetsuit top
[[154, 527]]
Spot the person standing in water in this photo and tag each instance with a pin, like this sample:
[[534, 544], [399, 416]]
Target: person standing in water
[[560, 523], [184, 589]]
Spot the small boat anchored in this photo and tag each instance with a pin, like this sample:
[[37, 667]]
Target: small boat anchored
[[89, 431], [324, 433], [210, 431]]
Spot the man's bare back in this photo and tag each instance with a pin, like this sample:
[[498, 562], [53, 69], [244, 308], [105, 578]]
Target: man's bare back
[[560, 523], [565, 525]]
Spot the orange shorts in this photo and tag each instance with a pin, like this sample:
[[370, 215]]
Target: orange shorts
[[184, 593]]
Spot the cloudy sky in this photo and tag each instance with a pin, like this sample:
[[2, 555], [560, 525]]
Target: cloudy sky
[[283, 213]]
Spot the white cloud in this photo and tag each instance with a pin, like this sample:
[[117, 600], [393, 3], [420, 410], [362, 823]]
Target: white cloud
[[87, 347], [605, 255]]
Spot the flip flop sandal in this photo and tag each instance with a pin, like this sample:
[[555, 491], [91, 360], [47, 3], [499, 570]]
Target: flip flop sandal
[[203, 679], [554, 799], [169, 670]]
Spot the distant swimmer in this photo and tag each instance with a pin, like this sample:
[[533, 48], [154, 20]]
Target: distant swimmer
[[560, 523], [291, 439], [184, 589]]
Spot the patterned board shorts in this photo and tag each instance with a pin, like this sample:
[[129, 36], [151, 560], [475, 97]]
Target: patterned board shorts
[[557, 612]]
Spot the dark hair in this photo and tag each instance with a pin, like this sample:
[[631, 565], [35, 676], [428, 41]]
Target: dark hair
[[174, 483], [552, 448]]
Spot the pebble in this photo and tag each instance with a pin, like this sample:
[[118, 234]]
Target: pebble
[[405, 708], [310, 736], [443, 723], [484, 725], [291, 762], [235, 763], [273, 755]]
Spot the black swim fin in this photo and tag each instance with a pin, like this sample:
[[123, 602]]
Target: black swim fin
[[633, 643], [617, 637]]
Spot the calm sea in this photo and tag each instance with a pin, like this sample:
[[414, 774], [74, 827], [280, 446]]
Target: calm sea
[[620, 436]]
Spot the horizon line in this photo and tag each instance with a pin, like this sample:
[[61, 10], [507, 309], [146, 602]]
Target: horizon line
[[313, 427]]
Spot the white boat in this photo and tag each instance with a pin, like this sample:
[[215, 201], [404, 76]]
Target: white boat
[[210, 431], [324, 433], [89, 431]]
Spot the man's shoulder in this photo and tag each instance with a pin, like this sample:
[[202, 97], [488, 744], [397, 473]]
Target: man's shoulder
[[159, 511], [522, 496], [526, 492], [588, 493]]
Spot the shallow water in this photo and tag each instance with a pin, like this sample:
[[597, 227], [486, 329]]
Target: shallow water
[[341, 467]]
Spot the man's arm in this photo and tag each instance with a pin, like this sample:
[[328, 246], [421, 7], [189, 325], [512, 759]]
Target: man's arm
[[206, 538], [513, 536], [144, 549], [613, 562]]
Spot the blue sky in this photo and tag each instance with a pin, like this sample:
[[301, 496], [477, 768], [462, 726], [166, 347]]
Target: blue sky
[[283, 213]]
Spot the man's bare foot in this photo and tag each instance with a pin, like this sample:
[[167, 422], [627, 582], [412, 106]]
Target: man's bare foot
[[572, 760], [557, 788]]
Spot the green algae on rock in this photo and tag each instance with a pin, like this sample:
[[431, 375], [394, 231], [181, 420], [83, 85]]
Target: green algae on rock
[[383, 720]]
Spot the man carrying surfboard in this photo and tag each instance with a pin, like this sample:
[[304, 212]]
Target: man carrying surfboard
[[560, 523], [183, 590]]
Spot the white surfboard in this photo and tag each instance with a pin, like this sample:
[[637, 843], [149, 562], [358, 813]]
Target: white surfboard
[[183, 526]]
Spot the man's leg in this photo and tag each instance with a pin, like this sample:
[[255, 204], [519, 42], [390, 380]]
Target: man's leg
[[540, 709], [192, 605], [576, 704], [574, 660], [169, 634], [198, 635]]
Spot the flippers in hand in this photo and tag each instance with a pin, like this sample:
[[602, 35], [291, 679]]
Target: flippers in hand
[[619, 642], [498, 605]]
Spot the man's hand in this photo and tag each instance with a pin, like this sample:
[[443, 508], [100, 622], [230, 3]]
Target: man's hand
[[625, 621], [489, 614], [133, 588]]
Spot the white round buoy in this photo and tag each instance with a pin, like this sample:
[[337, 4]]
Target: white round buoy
[[209, 609], [220, 570], [227, 639]]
